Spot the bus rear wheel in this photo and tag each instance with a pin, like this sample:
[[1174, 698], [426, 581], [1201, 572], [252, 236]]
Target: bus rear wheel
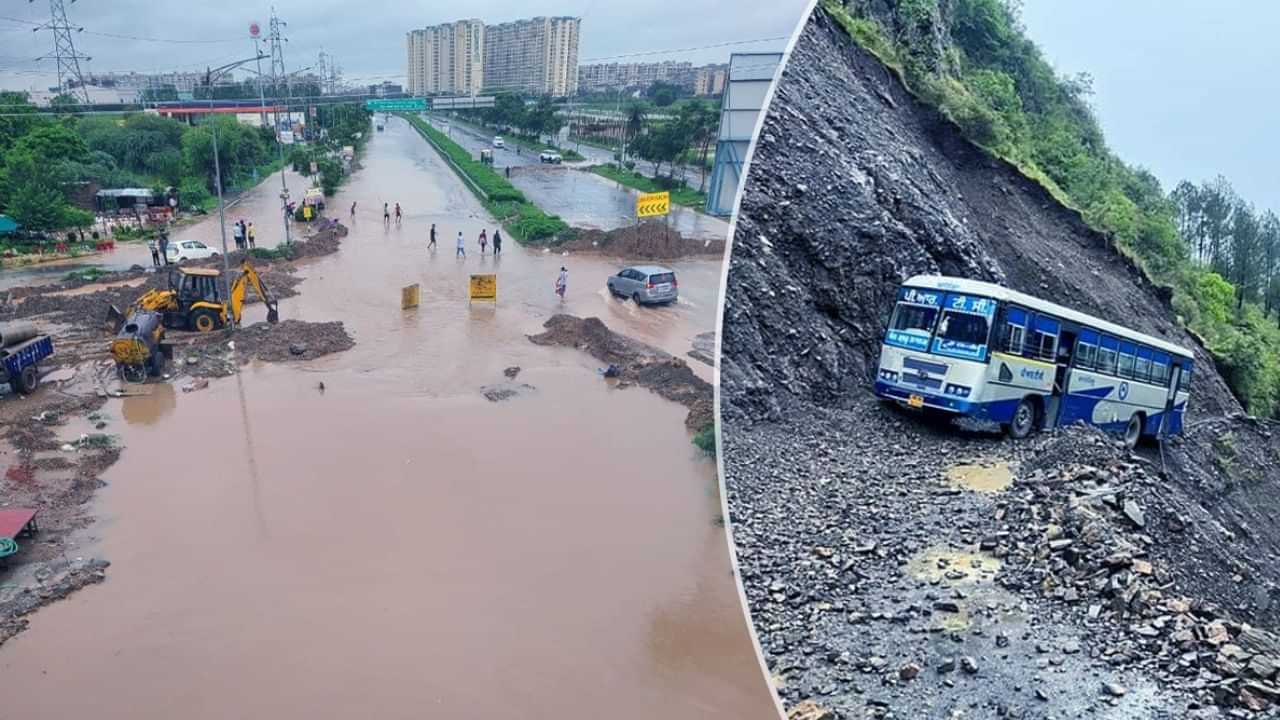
[[1133, 431], [1023, 422]]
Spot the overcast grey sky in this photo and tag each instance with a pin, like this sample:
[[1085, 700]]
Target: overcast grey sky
[[367, 38], [1186, 88]]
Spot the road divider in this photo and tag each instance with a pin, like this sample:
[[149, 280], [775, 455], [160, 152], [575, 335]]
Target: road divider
[[522, 219]]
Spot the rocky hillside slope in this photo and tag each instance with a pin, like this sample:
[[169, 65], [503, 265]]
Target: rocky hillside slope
[[857, 186]]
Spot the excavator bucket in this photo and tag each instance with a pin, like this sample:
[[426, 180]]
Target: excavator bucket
[[273, 315]]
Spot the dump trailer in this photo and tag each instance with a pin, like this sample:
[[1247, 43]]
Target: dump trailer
[[22, 348]]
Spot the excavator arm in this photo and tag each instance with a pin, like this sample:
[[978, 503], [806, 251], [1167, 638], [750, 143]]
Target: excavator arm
[[248, 276]]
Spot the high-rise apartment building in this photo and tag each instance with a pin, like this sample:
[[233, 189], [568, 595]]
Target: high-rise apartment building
[[446, 59], [710, 80], [703, 81], [538, 56]]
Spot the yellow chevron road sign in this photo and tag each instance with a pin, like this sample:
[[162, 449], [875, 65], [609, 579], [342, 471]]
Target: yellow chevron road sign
[[653, 204]]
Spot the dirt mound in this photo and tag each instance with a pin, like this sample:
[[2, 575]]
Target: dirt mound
[[865, 187], [215, 355], [635, 362], [646, 241]]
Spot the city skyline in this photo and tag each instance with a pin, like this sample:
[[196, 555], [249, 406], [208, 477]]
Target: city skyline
[[130, 35]]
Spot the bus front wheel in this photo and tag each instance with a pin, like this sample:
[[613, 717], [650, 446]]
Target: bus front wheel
[[1024, 419], [1133, 431]]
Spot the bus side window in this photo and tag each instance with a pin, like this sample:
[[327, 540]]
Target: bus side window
[[1044, 339], [1015, 331], [1107, 352], [1160, 369], [1184, 378], [1127, 352], [1142, 367], [1087, 350]]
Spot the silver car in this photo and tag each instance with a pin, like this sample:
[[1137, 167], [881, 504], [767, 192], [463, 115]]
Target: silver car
[[646, 284]]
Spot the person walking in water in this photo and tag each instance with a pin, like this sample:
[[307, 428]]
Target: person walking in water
[[562, 282], [484, 240], [353, 211], [397, 213], [252, 235], [497, 241], [462, 246], [432, 244], [386, 214]]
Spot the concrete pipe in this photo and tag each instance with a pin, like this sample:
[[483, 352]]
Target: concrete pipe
[[16, 333]]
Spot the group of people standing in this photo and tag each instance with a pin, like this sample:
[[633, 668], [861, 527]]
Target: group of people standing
[[461, 244], [245, 234]]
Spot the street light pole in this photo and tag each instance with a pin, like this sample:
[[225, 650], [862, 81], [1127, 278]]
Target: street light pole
[[222, 215]]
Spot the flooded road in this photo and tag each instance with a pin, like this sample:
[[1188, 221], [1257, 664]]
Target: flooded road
[[582, 198], [259, 205], [397, 546]]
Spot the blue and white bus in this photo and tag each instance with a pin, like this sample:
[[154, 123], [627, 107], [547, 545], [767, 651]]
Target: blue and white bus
[[984, 351]]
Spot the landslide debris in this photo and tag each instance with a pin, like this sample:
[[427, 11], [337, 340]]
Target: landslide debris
[[635, 363], [644, 241], [1100, 583]]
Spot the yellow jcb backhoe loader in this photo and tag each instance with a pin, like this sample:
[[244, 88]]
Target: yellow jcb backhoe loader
[[194, 299], [192, 302]]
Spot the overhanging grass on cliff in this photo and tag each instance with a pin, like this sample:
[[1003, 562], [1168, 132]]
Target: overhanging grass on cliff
[[523, 220]]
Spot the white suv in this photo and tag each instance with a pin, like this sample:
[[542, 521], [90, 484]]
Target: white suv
[[498, 142], [180, 250], [547, 156]]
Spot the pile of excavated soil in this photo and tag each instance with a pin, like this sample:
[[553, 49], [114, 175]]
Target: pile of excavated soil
[[645, 241], [636, 363], [1096, 585], [206, 355]]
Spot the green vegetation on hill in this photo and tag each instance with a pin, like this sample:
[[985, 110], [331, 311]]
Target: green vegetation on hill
[[526, 221], [1216, 252]]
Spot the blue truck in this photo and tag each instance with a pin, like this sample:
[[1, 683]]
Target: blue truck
[[19, 362]]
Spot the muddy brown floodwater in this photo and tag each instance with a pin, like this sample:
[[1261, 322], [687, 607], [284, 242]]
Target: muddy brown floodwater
[[397, 546]]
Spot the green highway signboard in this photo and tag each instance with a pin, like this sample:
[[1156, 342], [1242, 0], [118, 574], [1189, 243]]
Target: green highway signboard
[[397, 105]]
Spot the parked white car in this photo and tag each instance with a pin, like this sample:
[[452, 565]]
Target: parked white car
[[498, 142], [181, 250], [547, 156]]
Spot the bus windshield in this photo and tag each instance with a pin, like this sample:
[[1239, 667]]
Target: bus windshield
[[965, 327], [913, 318]]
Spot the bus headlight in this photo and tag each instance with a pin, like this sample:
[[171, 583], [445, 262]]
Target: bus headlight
[[888, 376], [957, 390]]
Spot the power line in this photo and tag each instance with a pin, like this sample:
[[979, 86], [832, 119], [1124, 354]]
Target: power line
[[64, 48]]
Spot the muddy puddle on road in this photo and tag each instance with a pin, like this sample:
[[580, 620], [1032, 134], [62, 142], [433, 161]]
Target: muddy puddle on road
[[988, 478], [396, 545]]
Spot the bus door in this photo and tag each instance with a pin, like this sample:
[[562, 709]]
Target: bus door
[[1171, 398], [1061, 377]]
